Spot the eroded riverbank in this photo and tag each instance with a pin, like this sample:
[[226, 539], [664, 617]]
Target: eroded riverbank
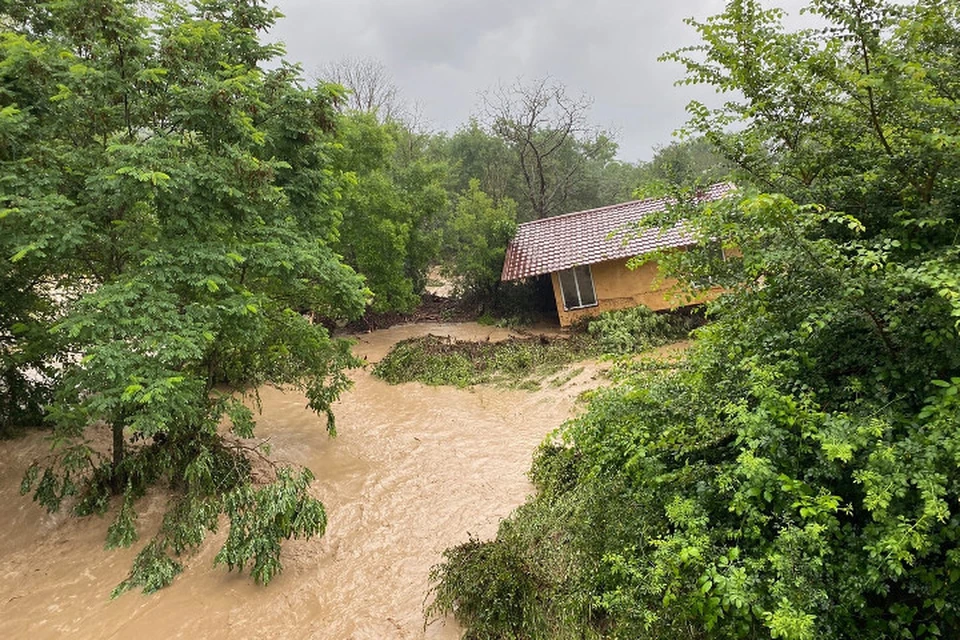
[[413, 470]]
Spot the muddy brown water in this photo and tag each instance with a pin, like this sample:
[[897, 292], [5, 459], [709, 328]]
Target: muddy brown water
[[414, 470]]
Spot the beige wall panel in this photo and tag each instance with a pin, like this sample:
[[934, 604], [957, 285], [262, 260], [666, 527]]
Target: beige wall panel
[[618, 288]]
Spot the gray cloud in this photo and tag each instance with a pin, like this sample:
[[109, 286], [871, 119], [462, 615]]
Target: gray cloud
[[443, 53]]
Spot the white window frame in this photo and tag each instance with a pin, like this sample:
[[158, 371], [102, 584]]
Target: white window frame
[[576, 284]]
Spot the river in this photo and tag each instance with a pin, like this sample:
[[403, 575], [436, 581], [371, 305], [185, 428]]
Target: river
[[414, 470]]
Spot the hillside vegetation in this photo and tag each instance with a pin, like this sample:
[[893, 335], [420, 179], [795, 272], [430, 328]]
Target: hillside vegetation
[[798, 477], [184, 216]]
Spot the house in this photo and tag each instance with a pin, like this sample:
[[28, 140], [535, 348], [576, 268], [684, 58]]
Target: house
[[586, 254]]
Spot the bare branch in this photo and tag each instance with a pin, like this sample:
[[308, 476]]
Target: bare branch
[[371, 88], [540, 122]]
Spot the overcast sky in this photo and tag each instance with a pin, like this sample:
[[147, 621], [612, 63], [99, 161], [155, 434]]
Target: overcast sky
[[443, 53]]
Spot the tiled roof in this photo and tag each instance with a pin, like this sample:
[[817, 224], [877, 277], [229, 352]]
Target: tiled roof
[[595, 235]]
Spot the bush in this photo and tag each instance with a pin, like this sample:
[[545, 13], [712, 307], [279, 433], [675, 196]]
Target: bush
[[485, 572], [527, 584], [476, 241], [424, 360], [638, 329], [798, 476]]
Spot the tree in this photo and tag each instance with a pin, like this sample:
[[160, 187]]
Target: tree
[[797, 476], [168, 218], [369, 86], [693, 161], [550, 137], [475, 154], [476, 242], [389, 209]]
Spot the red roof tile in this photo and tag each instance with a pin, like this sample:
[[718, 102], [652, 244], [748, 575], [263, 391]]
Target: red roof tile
[[595, 235]]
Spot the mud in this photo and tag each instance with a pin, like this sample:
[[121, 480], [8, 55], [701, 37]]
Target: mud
[[413, 470]]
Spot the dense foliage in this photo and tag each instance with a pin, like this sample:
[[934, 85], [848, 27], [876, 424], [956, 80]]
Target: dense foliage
[[476, 240], [797, 477], [414, 198], [168, 214], [175, 202], [391, 208]]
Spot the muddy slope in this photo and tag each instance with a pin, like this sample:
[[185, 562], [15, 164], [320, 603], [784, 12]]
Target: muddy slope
[[413, 471]]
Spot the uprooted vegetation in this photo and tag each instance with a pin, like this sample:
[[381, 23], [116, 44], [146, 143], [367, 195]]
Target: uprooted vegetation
[[635, 330], [525, 361], [522, 362]]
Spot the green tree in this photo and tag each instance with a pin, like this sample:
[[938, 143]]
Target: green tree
[[168, 216], [693, 161], [618, 181], [473, 153], [476, 242], [598, 167], [797, 476], [389, 231]]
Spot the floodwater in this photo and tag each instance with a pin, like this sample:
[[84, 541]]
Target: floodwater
[[413, 470]]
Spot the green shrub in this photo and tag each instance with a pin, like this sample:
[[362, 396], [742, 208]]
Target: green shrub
[[638, 329], [554, 469], [487, 320], [524, 584], [485, 572], [423, 360], [797, 477]]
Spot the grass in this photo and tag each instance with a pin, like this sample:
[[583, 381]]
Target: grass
[[564, 378]]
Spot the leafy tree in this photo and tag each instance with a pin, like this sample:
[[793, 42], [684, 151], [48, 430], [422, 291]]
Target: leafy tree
[[389, 209], [597, 167], [618, 181], [796, 477], [691, 161], [475, 154], [472, 152], [168, 216], [476, 241]]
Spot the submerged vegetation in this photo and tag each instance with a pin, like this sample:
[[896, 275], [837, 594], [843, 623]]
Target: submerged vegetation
[[634, 330], [525, 361], [181, 217], [519, 362]]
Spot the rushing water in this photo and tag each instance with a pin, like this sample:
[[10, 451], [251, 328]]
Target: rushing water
[[413, 470]]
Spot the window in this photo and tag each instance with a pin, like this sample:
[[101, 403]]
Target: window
[[576, 286]]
